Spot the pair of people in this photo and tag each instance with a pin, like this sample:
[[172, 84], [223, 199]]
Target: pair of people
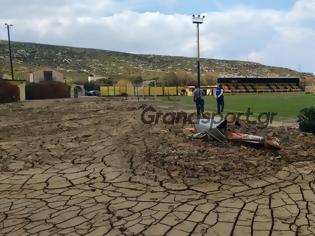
[[198, 99]]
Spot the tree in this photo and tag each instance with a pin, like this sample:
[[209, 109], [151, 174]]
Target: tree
[[184, 78], [170, 79], [210, 78], [89, 86], [136, 80], [108, 82], [124, 83]]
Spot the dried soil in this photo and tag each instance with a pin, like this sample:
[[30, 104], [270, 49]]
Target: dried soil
[[46, 132]]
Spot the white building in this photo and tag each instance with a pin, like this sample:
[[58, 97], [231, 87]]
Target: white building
[[46, 74]]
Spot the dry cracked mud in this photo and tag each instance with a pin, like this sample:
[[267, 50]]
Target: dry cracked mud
[[91, 167]]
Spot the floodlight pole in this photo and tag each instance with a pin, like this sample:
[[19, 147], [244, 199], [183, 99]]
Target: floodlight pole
[[10, 51], [198, 20]]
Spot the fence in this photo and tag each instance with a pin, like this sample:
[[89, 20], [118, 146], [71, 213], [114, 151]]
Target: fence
[[142, 91]]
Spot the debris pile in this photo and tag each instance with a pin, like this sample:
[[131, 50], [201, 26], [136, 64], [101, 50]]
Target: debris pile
[[176, 154], [223, 131]]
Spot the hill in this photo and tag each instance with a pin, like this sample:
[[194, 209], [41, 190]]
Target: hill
[[78, 63]]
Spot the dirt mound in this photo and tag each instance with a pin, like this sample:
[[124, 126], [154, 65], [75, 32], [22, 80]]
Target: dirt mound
[[171, 152]]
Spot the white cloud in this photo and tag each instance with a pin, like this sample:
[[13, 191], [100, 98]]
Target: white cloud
[[283, 38]]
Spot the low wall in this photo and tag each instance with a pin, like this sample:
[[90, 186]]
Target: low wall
[[142, 91], [8, 92], [47, 90], [21, 85]]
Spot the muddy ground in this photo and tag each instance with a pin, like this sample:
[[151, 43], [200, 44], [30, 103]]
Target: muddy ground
[[91, 167], [46, 132]]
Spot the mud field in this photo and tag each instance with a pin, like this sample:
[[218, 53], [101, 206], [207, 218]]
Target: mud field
[[90, 166]]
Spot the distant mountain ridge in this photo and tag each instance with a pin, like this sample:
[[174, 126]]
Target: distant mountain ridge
[[78, 63]]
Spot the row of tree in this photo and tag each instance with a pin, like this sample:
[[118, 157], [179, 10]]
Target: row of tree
[[178, 78], [183, 78]]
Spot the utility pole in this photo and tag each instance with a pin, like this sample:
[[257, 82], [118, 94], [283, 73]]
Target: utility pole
[[198, 20], [10, 51]]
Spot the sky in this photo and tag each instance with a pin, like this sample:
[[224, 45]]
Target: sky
[[272, 32]]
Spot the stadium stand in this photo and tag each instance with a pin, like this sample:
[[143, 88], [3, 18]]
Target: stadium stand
[[259, 85]]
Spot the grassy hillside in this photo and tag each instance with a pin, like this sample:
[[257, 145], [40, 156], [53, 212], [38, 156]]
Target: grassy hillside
[[77, 63]]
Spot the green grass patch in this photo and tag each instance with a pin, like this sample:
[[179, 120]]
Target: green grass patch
[[286, 105]]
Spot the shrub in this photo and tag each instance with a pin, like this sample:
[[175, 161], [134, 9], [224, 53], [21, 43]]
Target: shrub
[[210, 78], [89, 86], [47, 90], [136, 80], [170, 79], [178, 78], [306, 120], [8, 92]]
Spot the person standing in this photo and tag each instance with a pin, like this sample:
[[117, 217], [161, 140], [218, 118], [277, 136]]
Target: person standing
[[198, 99], [219, 91]]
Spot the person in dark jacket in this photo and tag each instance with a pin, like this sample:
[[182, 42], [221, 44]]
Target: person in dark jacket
[[198, 99], [219, 91]]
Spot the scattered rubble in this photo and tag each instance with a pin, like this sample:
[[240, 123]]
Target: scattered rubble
[[224, 131], [175, 152]]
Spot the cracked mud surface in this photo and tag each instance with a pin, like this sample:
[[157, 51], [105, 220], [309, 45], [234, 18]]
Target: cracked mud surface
[[90, 167]]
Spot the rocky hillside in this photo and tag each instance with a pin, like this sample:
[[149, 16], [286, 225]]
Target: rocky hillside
[[78, 63]]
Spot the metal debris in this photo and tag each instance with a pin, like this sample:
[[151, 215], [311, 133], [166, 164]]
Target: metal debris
[[219, 131]]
